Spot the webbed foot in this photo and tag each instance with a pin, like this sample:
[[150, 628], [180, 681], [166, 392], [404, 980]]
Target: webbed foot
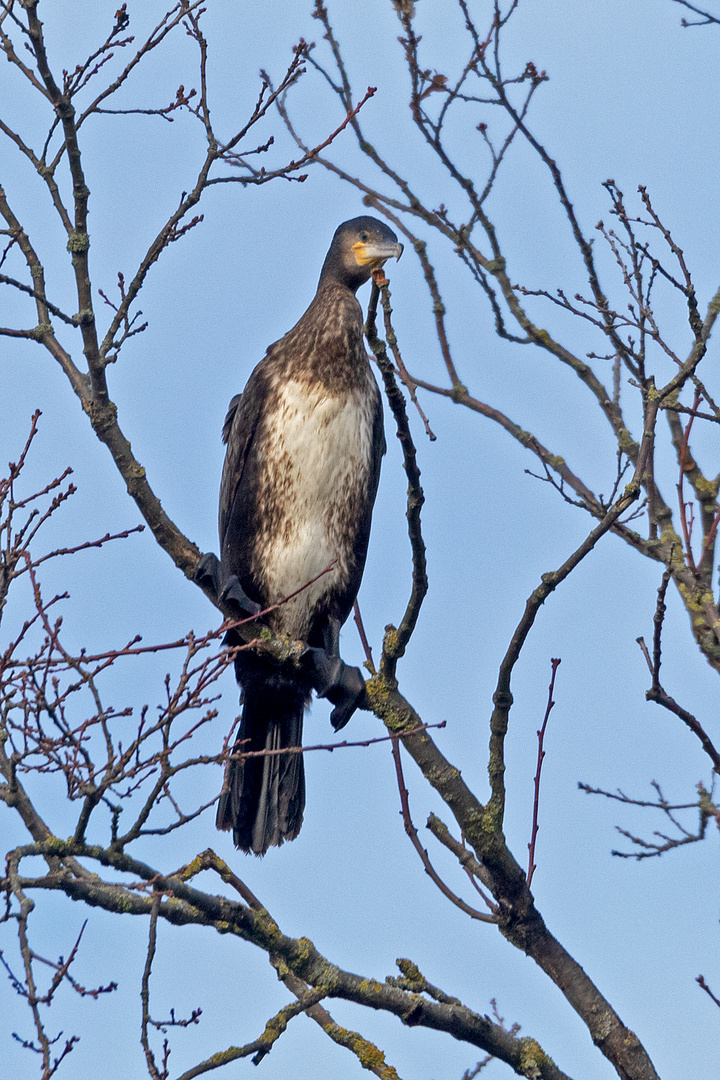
[[335, 680], [226, 589], [207, 574], [233, 594]]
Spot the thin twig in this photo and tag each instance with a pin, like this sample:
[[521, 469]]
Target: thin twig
[[540, 758], [701, 981], [363, 638], [425, 858], [396, 640]]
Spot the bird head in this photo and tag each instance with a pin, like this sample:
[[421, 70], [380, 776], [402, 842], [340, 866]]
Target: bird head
[[359, 246]]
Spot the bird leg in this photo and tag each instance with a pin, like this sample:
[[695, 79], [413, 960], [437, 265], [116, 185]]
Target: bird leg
[[333, 679], [225, 588], [207, 574]]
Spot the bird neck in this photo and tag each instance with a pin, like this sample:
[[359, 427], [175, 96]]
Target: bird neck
[[326, 345], [335, 307], [335, 270]]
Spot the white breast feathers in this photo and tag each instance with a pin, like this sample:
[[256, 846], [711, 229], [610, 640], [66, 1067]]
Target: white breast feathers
[[317, 466]]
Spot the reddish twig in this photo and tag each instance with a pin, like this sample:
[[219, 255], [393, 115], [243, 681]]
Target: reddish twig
[[261, 175], [474, 870], [363, 638], [89, 544], [15, 468], [541, 754], [62, 971], [230, 624], [425, 858], [242, 756], [701, 982]]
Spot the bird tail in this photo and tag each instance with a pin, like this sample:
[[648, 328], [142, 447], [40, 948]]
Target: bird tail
[[263, 797]]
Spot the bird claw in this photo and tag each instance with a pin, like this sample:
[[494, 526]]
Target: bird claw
[[331, 677], [227, 590], [341, 684], [207, 573], [346, 698], [234, 595]]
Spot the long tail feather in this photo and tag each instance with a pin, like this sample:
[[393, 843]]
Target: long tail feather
[[263, 797]]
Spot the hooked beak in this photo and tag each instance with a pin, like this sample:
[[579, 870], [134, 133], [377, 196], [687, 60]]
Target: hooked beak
[[375, 255]]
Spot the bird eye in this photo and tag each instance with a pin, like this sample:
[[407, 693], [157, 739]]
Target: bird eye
[[364, 237]]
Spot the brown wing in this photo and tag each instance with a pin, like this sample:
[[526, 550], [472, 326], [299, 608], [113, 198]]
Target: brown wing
[[238, 431]]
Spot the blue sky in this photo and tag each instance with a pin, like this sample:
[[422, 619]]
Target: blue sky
[[632, 96]]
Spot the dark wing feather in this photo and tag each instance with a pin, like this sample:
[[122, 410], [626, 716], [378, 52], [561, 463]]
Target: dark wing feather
[[379, 447], [238, 430]]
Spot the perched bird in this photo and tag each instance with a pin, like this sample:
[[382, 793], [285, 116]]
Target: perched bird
[[304, 445]]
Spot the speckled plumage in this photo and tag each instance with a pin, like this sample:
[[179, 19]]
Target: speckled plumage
[[304, 445], [304, 495]]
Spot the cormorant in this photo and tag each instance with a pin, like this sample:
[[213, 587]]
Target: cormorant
[[304, 445]]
